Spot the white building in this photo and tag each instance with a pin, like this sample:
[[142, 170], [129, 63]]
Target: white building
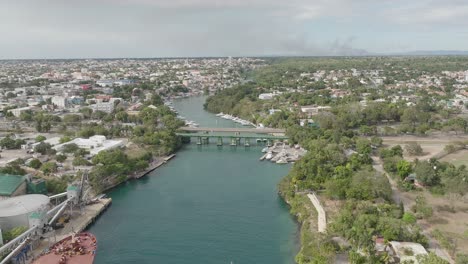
[[17, 111], [59, 101], [94, 144], [314, 109], [107, 107], [268, 96]]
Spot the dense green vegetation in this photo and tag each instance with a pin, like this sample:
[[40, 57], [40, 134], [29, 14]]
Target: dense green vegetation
[[338, 163], [367, 211], [113, 167]]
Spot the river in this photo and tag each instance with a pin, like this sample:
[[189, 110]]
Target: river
[[207, 205]]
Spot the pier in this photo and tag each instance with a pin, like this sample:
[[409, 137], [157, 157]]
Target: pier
[[80, 220]]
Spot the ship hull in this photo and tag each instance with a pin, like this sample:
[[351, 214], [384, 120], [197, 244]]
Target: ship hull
[[76, 249]]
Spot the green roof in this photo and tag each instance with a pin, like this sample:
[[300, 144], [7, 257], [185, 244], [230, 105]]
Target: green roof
[[9, 184]]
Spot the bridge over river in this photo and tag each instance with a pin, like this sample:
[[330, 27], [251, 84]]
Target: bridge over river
[[235, 135]]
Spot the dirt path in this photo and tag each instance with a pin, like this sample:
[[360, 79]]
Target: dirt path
[[407, 201]]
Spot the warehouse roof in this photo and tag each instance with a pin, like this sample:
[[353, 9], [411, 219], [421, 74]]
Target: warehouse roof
[[9, 184], [23, 204]]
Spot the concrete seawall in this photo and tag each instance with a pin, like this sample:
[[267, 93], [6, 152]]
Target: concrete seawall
[[322, 218]]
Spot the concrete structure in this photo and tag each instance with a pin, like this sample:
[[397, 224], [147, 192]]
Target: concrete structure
[[23, 210], [407, 251], [268, 96], [12, 185], [322, 218], [94, 144], [17, 111], [106, 107], [59, 101], [311, 110]]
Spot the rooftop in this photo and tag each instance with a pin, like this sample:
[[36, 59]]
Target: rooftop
[[9, 184]]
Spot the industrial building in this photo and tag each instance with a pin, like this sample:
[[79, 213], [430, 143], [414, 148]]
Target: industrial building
[[23, 210], [12, 185], [94, 144]]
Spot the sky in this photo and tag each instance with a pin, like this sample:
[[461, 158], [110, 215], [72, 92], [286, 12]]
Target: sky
[[35, 29]]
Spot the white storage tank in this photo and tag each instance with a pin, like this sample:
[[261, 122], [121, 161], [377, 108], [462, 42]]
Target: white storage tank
[[22, 210]]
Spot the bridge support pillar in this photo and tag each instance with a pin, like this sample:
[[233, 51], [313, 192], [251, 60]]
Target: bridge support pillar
[[247, 142], [220, 141], [233, 141], [199, 140], [269, 142], [206, 140]]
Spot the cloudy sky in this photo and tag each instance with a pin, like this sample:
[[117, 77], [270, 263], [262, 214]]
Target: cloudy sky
[[185, 28]]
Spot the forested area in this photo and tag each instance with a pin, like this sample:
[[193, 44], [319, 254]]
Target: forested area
[[338, 166]]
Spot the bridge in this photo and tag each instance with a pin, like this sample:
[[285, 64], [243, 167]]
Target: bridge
[[235, 129], [235, 135]]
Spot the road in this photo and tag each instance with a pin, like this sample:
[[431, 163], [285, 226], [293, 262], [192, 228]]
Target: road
[[233, 129]]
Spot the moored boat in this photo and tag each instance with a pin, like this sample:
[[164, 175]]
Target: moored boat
[[75, 249]]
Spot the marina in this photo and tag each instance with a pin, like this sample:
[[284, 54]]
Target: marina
[[282, 153]]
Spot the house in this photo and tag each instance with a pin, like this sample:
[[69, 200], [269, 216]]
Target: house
[[407, 252], [399, 252], [313, 110]]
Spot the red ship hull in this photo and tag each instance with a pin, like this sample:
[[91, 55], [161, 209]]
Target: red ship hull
[[75, 249]]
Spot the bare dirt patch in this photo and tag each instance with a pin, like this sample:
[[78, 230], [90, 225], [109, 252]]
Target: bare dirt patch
[[458, 158]]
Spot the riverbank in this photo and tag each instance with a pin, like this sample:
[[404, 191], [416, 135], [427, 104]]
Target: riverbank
[[158, 162]]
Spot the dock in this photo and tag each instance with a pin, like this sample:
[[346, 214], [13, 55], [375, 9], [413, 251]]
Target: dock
[[80, 220]]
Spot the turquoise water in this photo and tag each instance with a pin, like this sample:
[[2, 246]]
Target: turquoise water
[[208, 205]]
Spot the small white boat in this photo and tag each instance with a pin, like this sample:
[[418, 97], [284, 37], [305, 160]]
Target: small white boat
[[281, 161], [269, 156], [264, 150], [220, 114]]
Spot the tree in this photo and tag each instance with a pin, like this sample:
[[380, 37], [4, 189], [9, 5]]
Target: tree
[[86, 112], [426, 173], [403, 169], [49, 167], [79, 161], [363, 146], [414, 149], [409, 218], [44, 148], [40, 138], [35, 164], [376, 141], [72, 118], [60, 158], [70, 148]]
